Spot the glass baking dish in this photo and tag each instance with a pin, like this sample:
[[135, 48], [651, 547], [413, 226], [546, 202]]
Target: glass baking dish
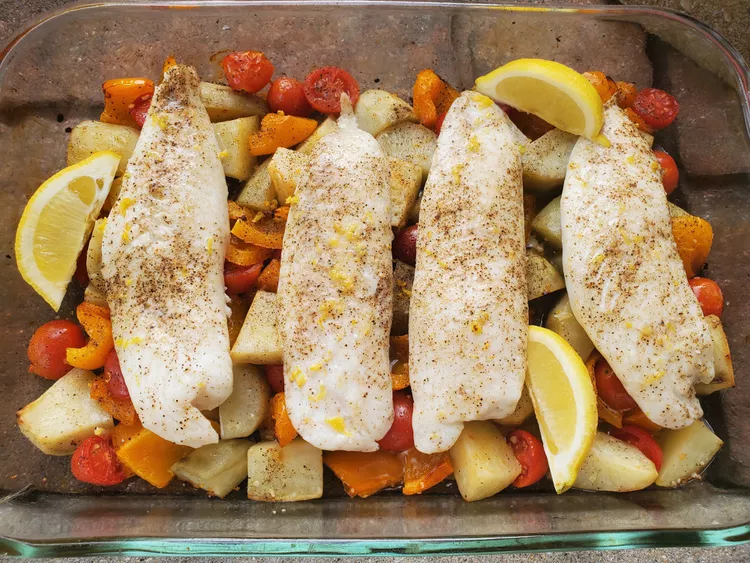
[[50, 78]]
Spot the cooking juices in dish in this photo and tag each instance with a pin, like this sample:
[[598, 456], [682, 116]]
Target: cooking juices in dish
[[306, 351]]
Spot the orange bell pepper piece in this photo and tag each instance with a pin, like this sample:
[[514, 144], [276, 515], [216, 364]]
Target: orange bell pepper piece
[[149, 456], [636, 417], [97, 324], [606, 413], [119, 93], [282, 427], [422, 471], [604, 86], [365, 473], [169, 62], [280, 131], [432, 97], [267, 232], [120, 409], [281, 213], [123, 433], [626, 93], [239, 307], [638, 120], [269, 277], [399, 351], [236, 211], [243, 254], [693, 236]]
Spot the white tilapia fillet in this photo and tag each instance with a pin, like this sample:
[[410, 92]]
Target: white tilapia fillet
[[334, 295], [468, 318], [163, 259], [625, 280]]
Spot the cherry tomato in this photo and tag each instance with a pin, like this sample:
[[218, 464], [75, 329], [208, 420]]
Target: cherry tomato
[[610, 389], [529, 452], [401, 435], [48, 346], [709, 295], [657, 108], [439, 123], [642, 440], [240, 279], [275, 377], [405, 245], [248, 71], [139, 108], [669, 173], [288, 95], [81, 274], [115, 381], [324, 86], [95, 462]]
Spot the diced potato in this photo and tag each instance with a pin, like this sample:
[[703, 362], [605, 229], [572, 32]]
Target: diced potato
[[411, 142], [239, 307], [94, 254], [92, 295], [285, 169], [518, 136], [325, 128], [687, 452], [403, 279], [377, 110], [113, 195], [414, 211], [524, 409], [562, 321], [243, 412], [223, 104], [545, 161], [483, 462], [259, 342], [675, 211], [64, 416], [648, 136], [212, 415], [234, 143], [616, 466], [217, 468], [258, 192], [541, 276], [723, 369], [406, 179], [547, 223], [89, 137], [294, 472]]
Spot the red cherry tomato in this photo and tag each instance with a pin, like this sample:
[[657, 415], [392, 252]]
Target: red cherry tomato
[[324, 86], [48, 346], [405, 245], [95, 462], [439, 123], [657, 108], [529, 452], [115, 381], [610, 389], [642, 440], [288, 95], [247, 71], [401, 435], [709, 295], [669, 173], [275, 377], [81, 274], [240, 279], [139, 108]]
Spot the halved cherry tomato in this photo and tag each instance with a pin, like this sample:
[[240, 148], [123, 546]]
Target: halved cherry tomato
[[709, 295], [439, 123], [324, 86], [405, 245], [275, 376], [669, 173], [95, 462], [288, 95], [115, 380], [610, 389], [529, 452], [139, 108], [240, 279], [657, 108], [48, 347], [247, 71], [642, 440], [401, 435]]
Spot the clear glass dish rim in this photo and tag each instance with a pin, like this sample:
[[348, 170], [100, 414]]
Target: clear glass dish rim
[[600, 539]]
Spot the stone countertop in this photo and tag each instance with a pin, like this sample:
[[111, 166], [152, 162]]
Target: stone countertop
[[729, 17]]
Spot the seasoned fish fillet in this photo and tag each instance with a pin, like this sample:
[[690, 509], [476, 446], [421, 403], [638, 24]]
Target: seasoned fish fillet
[[468, 319], [334, 296], [625, 280], [163, 259]]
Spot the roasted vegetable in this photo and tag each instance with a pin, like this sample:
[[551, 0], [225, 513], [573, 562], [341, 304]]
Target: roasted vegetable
[[244, 410], [723, 369], [411, 142], [614, 465], [291, 473], [403, 278], [377, 110], [217, 468], [94, 255], [280, 131], [234, 137], [547, 223], [89, 137], [405, 179], [258, 341], [545, 160], [258, 192], [149, 456], [423, 471], [365, 473], [561, 320], [687, 452], [223, 104], [541, 276], [328, 126], [285, 169], [524, 409]]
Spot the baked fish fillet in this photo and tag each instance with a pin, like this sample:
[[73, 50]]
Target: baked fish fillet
[[163, 258], [334, 295], [468, 318], [625, 280]]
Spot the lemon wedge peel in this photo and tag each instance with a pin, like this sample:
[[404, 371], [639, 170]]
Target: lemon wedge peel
[[543, 80], [81, 189], [564, 403]]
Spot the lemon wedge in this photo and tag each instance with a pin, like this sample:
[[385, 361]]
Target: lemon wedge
[[564, 402], [58, 220], [556, 93]]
